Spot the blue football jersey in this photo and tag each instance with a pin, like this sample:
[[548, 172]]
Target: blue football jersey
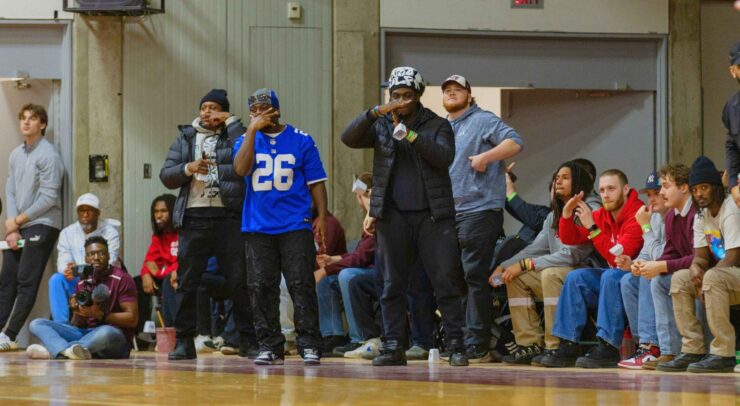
[[278, 199]]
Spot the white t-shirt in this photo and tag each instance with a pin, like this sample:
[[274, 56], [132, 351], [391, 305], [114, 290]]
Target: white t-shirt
[[719, 233]]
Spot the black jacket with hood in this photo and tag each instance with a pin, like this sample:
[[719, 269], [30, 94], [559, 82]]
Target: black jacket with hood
[[231, 185], [434, 146]]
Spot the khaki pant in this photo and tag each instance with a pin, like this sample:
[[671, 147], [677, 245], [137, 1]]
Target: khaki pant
[[522, 292], [721, 288]]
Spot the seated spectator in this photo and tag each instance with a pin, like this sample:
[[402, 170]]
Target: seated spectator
[[331, 283], [635, 289], [713, 277], [71, 252], [649, 309], [159, 270], [538, 271], [613, 231], [102, 327]]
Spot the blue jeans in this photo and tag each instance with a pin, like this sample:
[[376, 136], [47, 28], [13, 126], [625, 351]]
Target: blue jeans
[[590, 288], [638, 304], [60, 290], [103, 342], [330, 306], [669, 338]]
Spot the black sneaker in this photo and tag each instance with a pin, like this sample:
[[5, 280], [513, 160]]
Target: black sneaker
[[269, 358], [249, 348], [390, 355], [537, 360], [523, 355], [603, 355], [331, 342], [680, 363], [564, 357], [459, 359], [311, 356], [339, 351], [184, 349], [476, 354], [713, 363]]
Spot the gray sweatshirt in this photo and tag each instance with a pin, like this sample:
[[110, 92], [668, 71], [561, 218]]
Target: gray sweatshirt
[[547, 251], [478, 131], [654, 241], [35, 184]]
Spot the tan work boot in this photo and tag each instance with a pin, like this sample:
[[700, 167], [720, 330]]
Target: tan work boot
[[653, 364]]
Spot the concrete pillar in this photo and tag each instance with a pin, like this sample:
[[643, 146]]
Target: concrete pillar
[[685, 107], [356, 86], [98, 112]]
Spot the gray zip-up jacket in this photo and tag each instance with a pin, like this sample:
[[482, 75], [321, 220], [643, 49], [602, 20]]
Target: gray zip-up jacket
[[547, 251], [35, 184]]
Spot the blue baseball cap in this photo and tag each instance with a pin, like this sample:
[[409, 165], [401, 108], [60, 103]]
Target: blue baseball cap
[[652, 182], [264, 96]]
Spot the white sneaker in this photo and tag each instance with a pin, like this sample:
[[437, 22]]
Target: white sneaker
[[368, 350], [219, 342], [77, 352], [204, 344], [36, 351], [6, 344], [737, 368]]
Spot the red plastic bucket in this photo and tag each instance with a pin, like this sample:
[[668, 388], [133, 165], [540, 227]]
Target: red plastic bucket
[[165, 339]]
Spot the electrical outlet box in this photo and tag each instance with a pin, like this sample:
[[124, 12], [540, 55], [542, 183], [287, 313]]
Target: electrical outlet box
[[294, 11]]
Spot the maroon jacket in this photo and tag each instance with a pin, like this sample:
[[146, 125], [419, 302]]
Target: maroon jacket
[[336, 242], [362, 257], [679, 240]]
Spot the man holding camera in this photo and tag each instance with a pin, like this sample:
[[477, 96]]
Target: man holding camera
[[104, 313], [71, 251]]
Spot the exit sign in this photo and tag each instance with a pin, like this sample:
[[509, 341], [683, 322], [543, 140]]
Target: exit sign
[[527, 3]]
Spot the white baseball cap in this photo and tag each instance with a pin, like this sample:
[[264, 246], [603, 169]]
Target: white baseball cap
[[88, 199], [460, 80]]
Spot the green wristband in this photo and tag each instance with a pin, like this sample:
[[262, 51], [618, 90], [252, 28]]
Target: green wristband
[[511, 196]]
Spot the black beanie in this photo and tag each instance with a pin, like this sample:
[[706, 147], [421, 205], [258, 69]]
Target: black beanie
[[704, 171], [216, 96]]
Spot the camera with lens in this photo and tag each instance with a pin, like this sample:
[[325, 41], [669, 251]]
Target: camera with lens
[[90, 292]]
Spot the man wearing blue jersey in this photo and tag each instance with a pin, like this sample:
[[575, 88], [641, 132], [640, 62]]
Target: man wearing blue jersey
[[283, 174], [412, 202]]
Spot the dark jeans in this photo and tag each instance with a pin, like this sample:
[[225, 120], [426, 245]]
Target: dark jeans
[[403, 238], [478, 232], [200, 239], [293, 254], [166, 296], [21, 274], [422, 307], [363, 294]]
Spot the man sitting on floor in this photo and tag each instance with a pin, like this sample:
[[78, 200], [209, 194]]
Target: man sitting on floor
[[104, 313], [71, 252]]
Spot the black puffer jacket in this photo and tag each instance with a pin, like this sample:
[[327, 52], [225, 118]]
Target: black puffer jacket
[[435, 148], [173, 176]]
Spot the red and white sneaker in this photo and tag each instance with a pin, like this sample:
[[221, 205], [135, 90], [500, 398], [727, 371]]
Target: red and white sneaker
[[644, 353]]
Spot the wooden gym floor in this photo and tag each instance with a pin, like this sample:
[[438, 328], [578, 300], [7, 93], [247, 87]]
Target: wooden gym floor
[[148, 378]]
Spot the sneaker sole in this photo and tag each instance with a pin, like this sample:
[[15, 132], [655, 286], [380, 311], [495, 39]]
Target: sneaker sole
[[633, 367], [276, 362], [483, 360], [701, 370], [311, 362], [392, 364], [595, 365], [559, 363]]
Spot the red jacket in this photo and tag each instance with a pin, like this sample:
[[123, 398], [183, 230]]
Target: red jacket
[[625, 230], [163, 252], [362, 257]]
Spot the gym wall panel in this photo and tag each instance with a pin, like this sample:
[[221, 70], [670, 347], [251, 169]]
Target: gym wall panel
[[171, 60]]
